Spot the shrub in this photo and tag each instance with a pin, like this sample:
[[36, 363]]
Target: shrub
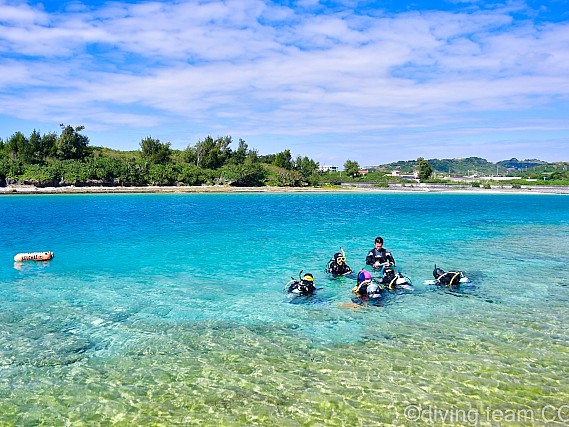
[[192, 175], [252, 175]]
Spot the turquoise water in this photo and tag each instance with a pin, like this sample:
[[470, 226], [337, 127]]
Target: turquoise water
[[168, 310]]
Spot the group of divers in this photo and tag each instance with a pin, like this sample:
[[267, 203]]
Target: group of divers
[[370, 289]]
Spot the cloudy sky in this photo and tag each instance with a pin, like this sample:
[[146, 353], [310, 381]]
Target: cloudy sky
[[371, 81]]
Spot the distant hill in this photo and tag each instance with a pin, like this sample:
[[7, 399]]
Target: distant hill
[[465, 166], [515, 164]]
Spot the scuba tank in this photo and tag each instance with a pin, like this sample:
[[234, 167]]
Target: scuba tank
[[367, 286], [395, 280], [303, 286], [449, 278], [334, 266]]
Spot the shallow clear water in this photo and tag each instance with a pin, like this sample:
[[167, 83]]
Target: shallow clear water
[[168, 310]]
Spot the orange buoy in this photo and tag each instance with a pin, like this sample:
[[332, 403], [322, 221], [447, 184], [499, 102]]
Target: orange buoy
[[33, 256]]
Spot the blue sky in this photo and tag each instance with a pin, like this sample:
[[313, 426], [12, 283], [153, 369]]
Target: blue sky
[[371, 81]]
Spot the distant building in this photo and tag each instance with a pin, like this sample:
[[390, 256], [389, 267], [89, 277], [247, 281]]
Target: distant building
[[479, 178], [328, 169], [414, 175], [363, 172], [397, 173]]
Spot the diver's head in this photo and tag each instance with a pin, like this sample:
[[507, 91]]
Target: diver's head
[[378, 243], [363, 276], [438, 272], [339, 258], [307, 279]]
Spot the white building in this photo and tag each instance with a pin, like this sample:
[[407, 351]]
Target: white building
[[328, 169], [397, 173]]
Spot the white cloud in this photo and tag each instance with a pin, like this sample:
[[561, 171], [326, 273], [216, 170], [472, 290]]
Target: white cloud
[[270, 72], [20, 14]]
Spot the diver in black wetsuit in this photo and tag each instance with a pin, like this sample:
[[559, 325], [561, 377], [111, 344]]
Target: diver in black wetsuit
[[379, 256], [337, 265], [389, 279], [366, 287], [304, 286], [447, 278], [392, 280]]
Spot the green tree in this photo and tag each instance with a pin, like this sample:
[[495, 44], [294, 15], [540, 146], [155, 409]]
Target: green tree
[[307, 167], [425, 169], [189, 155], [20, 148], [352, 167], [71, 145], [36, 147], [283, 160], [155, 151], [252, 157], [240, 155], [212, 154], [47, 145], [225, 153], [4, 166]]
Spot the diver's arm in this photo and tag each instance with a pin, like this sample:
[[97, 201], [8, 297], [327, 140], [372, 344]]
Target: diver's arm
[[370, 259], [292, 285], [333, 268]]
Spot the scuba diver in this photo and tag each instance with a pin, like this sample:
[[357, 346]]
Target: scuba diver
[[304, 286], [337, 265], [379, 256], [394, 280], [366, 287], [449, 278]]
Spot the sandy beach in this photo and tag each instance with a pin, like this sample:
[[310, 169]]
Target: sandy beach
[[348, 187]]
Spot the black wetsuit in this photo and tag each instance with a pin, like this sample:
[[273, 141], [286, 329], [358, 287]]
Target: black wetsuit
[[382, 255], [304, 287], [364, 287], [447, 278], [338, 269], [389, 279]]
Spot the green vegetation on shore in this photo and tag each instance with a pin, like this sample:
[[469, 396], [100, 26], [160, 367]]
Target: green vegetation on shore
[[67, 159], [52, 160], [475, 167]]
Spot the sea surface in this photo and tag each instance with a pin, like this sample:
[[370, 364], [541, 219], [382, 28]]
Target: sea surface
[[168, 309]]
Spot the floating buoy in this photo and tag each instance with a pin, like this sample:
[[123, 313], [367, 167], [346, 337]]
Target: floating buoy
[[33, 256]]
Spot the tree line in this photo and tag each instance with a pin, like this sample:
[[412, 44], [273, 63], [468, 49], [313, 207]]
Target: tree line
[[67, 159]]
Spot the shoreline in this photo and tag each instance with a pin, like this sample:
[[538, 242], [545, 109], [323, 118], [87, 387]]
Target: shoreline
[[344, 188]]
